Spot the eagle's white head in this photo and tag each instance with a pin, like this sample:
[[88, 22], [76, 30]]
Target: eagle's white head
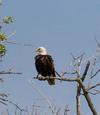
[[41, 51]]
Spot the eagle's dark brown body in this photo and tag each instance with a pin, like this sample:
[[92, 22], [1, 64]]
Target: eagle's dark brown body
[[45, 67]]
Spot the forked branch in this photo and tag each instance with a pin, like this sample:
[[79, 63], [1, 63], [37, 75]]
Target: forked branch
[[79, 81]]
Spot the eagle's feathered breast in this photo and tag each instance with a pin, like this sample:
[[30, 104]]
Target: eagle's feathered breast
[[45, 66]]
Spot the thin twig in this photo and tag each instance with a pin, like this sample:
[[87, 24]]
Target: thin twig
[[43, 95], [4, 95], [10, 35], [2, 102], [58, 74], [97, 91], [92, 87], [5, 100], [20, 44], [75, 58], [97, 42], [9, 72], [95, 74], [15, 105], [69, 73]]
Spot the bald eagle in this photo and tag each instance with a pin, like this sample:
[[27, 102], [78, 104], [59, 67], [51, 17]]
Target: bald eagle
[[45, 65]]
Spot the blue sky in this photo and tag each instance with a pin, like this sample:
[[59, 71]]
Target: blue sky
[[63, 27]]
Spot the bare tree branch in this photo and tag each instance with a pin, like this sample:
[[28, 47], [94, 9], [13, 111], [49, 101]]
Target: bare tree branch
[[86, 70], [5, 101], [9, 72], [79, 57], [97, 91], [68, 73], [85, 92], [79, 89], [66, 110], [92, 87], [78, 103], [58, 74], [95, 74], [4, 95], [20, 44], [94, 93], [97, 42], [58, 111]]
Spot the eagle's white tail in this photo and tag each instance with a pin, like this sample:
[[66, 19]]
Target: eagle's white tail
[[51, 81]]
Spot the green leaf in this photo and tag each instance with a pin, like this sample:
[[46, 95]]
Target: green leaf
[[2, 50], [3, 36], [8, 19]]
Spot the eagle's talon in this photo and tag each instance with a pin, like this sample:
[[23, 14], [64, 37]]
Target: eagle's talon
[[40, 78], [37, 77]]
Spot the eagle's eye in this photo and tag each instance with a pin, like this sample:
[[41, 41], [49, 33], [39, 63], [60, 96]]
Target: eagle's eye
[[38, 50]]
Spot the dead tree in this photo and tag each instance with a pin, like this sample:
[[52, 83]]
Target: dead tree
[[82, 89]]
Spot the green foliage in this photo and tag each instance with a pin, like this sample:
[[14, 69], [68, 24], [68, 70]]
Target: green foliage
[[8, 19], [2, 50], [3, 36]]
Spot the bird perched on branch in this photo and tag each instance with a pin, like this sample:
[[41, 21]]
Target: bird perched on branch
[[45, 65]]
